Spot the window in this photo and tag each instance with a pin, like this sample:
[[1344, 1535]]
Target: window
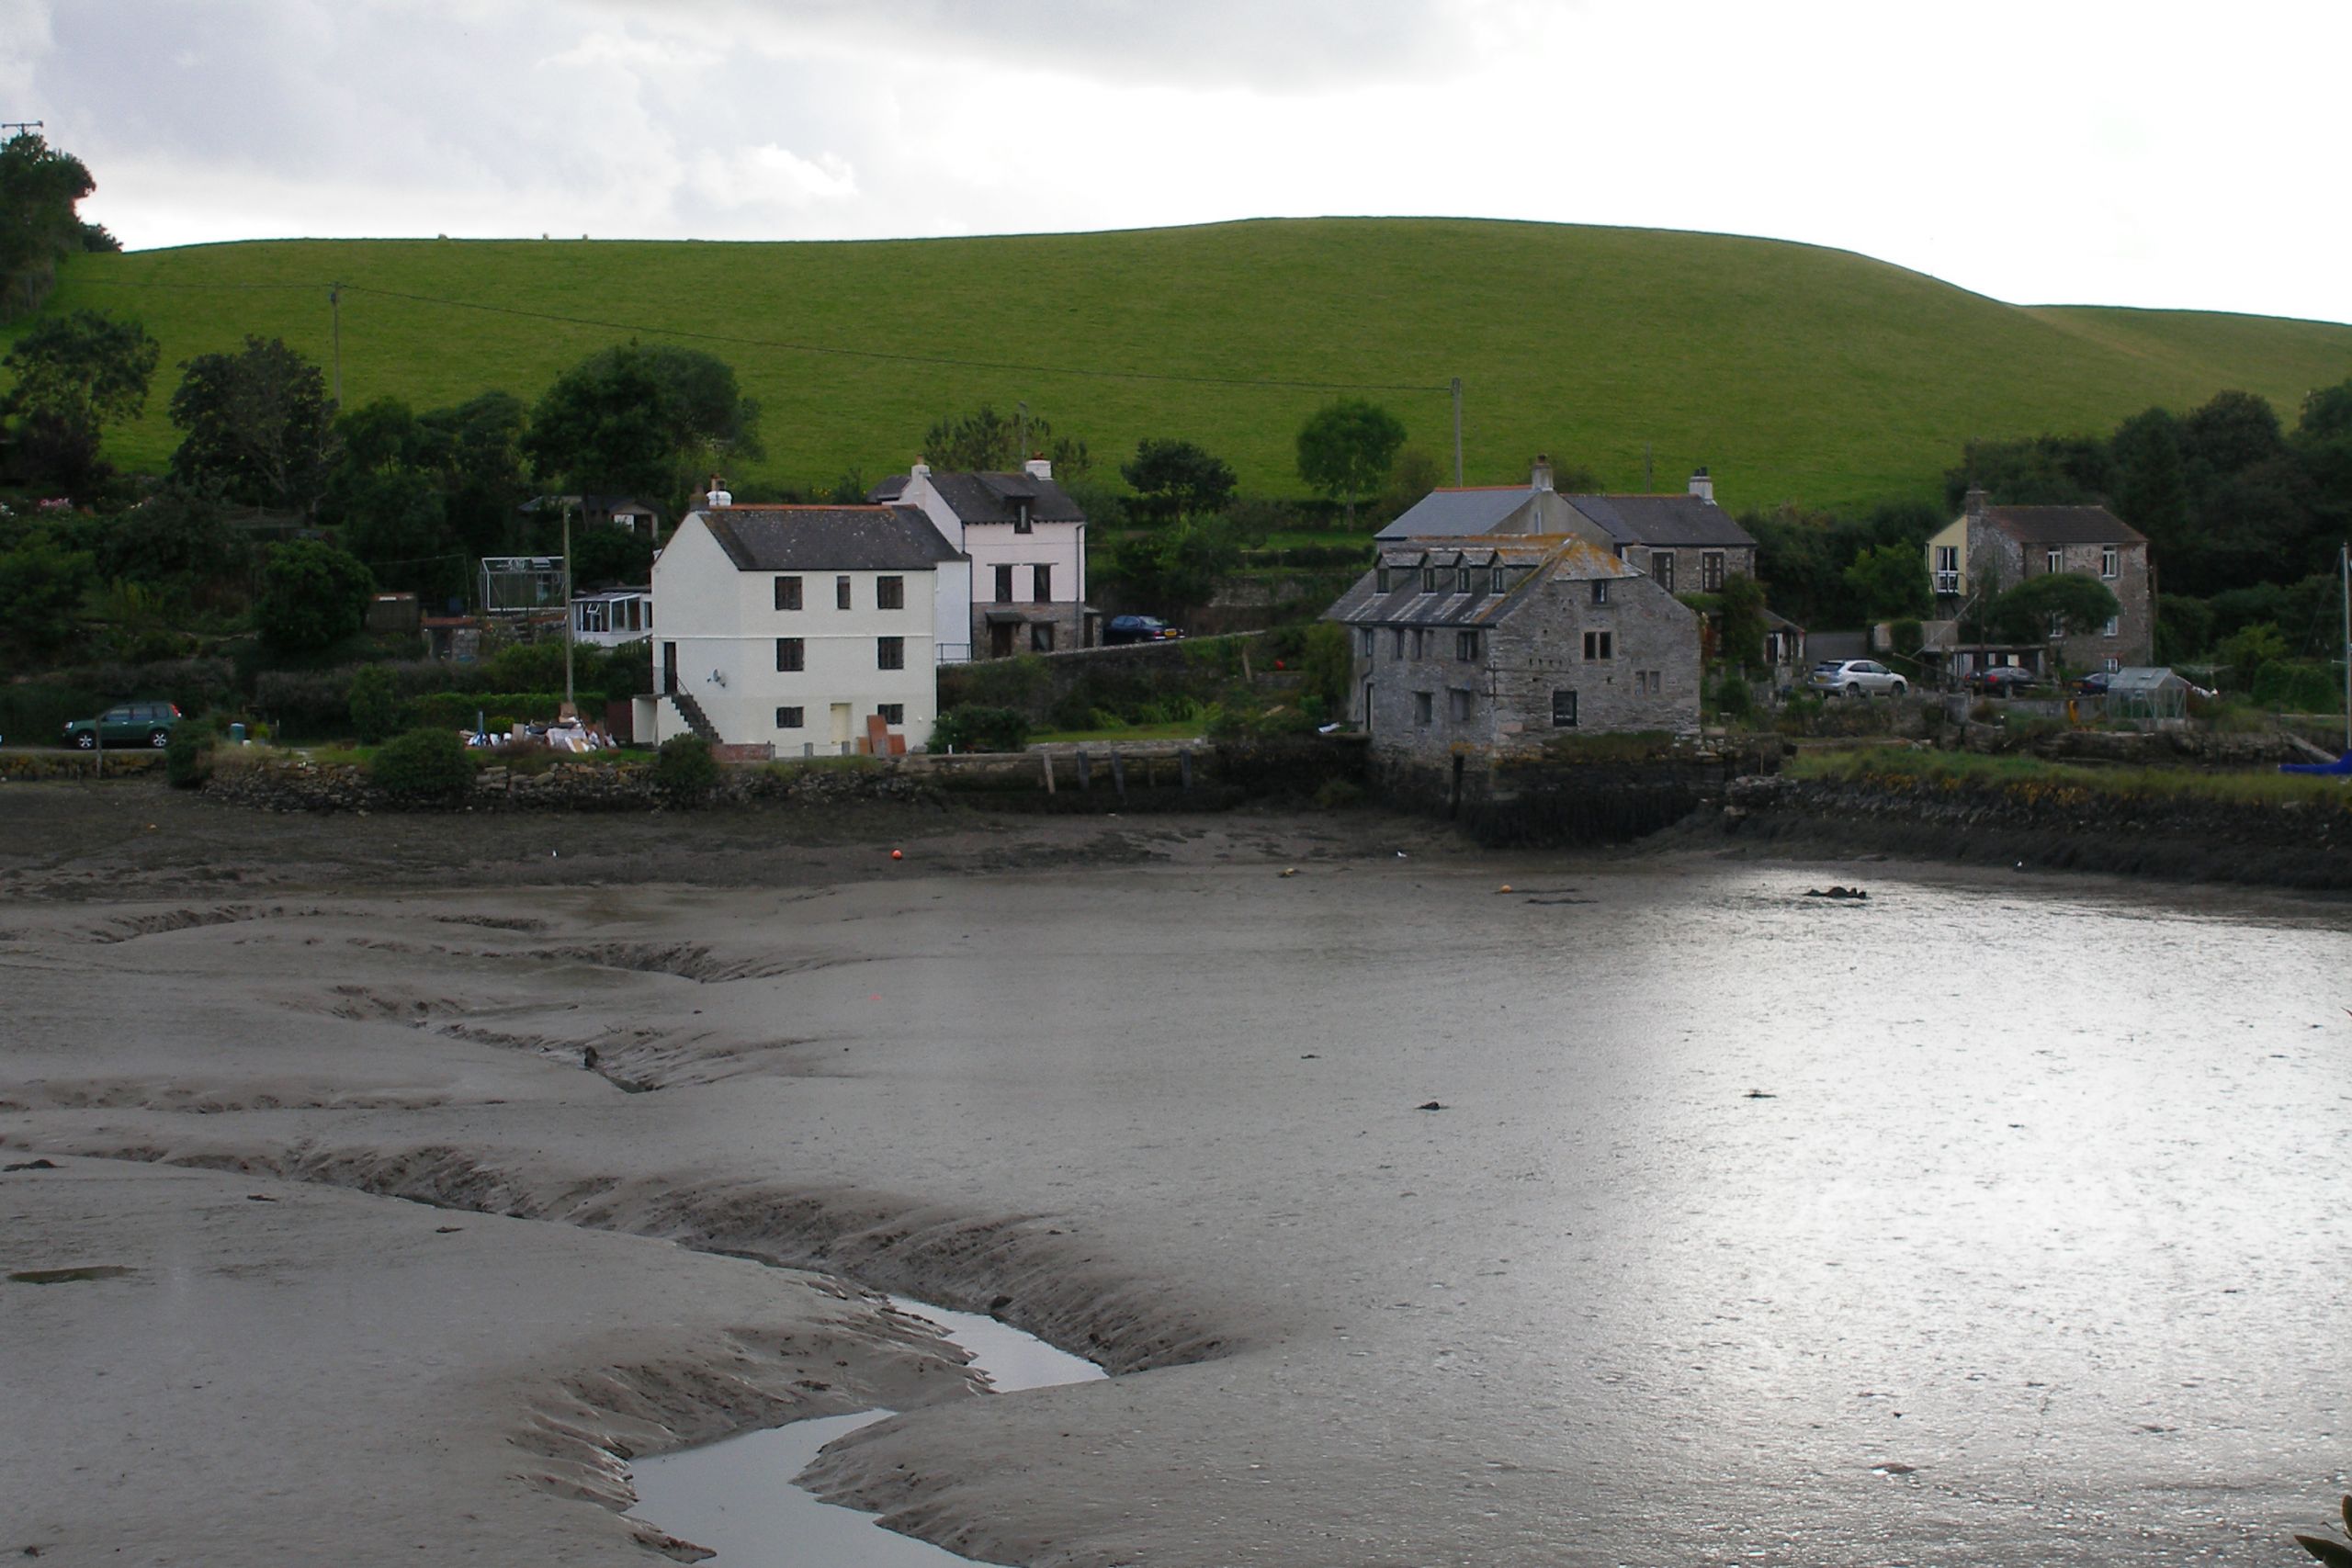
[[1395, 642], [2113, 664], [588, 614], [840, 593], [1501, 580], [1004, 585], [891, 713], [1465, 645], [1460, 703], [1649, 682], [1041, 636], [1662, 568], [1041, 582], [890, 653], [1600, 590], [1371, 641], [1462, 577], [1596, 646], [2057, 625], [1947, 569], [1564, 710], [788, 654], [1421, 708], [2054, 559], [889, 593], [789, 718], [788, 593], [1711, 572], [1428, 579], [2114, 626], [2108, 561], [1020, 524]]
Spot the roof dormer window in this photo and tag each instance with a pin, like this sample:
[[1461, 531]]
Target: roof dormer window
[[1020, 524]]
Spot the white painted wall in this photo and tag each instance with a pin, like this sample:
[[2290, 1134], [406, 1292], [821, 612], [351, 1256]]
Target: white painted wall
[[1060, 547], [725, 624]]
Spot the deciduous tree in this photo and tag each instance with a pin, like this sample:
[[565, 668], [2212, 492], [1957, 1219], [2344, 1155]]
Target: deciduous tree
[[260, 428], [1178, 478], [641, 420], [2053, 605], [312, 596], [1345, 450]]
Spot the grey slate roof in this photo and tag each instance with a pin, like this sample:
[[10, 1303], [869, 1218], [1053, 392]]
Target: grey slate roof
[[827, 538], [1670, 521], [1534, 560], [1450, 512], [991, 498], [2063, 526]]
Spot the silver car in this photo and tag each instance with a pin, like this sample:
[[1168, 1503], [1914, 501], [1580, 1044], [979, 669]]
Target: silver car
[[1856, 678]]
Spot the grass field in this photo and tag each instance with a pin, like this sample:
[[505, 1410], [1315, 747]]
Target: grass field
[[1794, 372]]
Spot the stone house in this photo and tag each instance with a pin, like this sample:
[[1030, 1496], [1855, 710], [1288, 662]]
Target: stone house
[[1988, 548], [1026, 540], [1686, 542], [800, 631], [1484, 646]]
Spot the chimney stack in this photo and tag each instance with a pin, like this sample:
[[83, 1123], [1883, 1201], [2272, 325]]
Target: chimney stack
[[717, 495], [921, 470], [1540, 479], [1703, 486], [1038, 467], [1977, 499]]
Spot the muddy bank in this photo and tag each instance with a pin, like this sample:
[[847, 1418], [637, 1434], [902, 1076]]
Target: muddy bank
[[2181, 839]]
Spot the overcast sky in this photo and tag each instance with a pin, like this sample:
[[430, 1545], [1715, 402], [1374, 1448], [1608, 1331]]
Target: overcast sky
[[2060, 150]]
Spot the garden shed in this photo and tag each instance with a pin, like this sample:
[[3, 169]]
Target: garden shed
[[2145, 695]]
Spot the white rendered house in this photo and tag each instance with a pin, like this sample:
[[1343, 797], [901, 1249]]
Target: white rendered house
[[1026, 541], [795, 626]]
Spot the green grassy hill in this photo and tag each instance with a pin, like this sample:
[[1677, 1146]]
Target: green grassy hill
[[1794, 372]]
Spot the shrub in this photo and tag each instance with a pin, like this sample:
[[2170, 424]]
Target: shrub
[[683, 769], [974, 729], [457, 710], [1732, 699], [188, 756], [374, 709], [423, 765]]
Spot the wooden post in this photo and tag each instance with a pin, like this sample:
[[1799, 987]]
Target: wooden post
[[1047, 758], [1085, 772], [1184, 769], [1118, 775]]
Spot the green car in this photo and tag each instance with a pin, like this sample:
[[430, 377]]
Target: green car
[[125, 724]]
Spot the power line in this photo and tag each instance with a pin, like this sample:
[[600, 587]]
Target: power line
[[886, 355]]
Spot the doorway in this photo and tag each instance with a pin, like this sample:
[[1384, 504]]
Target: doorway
[[840, 731], [668, 667]]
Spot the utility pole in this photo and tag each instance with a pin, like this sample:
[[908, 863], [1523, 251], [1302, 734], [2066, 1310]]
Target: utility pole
[[566, 609], [16, 128], [1649, 485], [1021, 437], [2344, 561], [335, 310], [1457, 432]]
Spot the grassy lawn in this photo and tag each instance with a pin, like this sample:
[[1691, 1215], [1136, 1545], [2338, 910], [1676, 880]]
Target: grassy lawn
[[1959, 770], [1793, 371]]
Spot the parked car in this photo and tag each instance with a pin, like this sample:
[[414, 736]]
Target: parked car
[[1137, 628], [2002, 680], [125, 724], [1856, 678], [2092, 685]]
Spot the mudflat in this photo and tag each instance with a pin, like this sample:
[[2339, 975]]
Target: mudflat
[[390, 1181]]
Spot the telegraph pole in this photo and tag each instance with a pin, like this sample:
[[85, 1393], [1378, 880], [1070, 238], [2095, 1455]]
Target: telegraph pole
[[1457, 432], [568, 707], [334, 309]]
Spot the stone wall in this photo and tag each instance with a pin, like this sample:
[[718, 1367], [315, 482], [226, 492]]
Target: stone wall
[[2036, 824], [1036, 686]]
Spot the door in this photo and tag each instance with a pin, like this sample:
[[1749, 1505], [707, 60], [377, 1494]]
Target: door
[[840, 728], [1367, 707], [668, 667], [1000, 639]]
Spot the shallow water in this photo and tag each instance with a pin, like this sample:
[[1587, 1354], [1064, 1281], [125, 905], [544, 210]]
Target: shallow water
[[1979, 1222], [736, 1496]]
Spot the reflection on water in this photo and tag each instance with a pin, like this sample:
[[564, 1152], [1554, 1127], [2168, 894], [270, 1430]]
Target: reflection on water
[[737, 1499]]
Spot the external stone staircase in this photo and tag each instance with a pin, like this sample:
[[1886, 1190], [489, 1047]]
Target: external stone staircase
[[696, 720]]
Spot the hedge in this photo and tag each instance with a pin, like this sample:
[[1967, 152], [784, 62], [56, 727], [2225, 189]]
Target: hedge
[[457, 710]]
